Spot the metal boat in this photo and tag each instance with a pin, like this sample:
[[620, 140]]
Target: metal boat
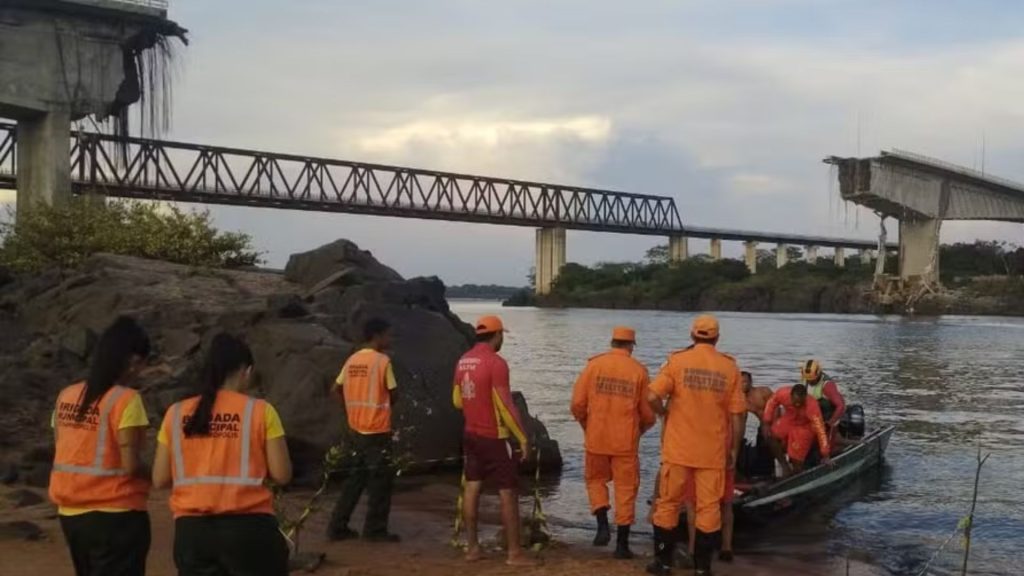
[[767, 499]]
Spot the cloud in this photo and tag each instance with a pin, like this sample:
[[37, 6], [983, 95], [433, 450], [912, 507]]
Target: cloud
[[728, 106]]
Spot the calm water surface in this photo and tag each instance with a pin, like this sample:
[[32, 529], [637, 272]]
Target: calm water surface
[[947, 384]]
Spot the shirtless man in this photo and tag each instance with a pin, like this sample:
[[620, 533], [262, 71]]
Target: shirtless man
[[757, 397]]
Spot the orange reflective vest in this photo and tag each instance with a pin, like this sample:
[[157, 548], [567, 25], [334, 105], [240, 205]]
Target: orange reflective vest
[[365, 389], [87, 469], [221, 473]]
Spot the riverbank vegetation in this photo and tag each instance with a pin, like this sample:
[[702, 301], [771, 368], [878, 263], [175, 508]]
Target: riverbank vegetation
[[986, 275], [67, 234]]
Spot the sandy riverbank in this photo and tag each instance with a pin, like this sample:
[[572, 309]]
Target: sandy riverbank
[[422, 516]]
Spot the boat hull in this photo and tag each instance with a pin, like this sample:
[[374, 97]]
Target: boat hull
[[810, 485]]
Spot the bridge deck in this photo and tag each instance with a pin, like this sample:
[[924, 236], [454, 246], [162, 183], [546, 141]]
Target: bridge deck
[[184, 172]]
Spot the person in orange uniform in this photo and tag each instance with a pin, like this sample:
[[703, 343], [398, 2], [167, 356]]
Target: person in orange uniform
[[481, 390], [368, 388], [610, 403], [705, 400], [217, 450], [825, 392], [99, 481], [795, 431]]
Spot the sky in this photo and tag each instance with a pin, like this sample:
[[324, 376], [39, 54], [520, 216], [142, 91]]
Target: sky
[[728, 106]]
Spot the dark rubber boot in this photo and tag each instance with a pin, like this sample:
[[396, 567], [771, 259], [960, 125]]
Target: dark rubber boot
[[704, 546], [622, 551], [664, 549], [604, 533]]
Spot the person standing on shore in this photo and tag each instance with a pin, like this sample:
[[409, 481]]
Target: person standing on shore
[[609, 401], [705, 405], [216, 450], [481, 390], [99, 481], [368, 389]]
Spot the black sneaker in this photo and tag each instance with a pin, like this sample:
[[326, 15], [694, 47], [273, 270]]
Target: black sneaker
[[623, 553], [345, 533], [385, 537], [725, 555]]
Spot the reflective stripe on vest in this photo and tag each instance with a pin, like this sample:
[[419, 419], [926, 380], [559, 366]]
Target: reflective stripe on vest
[[242, 479], [97, 468], [374, 386]]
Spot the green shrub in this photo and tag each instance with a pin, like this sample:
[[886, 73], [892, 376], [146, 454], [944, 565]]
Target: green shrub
[[67, 234]]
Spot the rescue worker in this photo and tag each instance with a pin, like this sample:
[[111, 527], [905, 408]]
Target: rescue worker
[[756, 400], [795, 431], [368, 389], [99, 482], [705, 400], [609, 401], [216, 450], [825, 391], [481, 390]]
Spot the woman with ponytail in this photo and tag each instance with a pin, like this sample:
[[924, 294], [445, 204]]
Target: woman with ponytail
[[99, 482], [217, 449]]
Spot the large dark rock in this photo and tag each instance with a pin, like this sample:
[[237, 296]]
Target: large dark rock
[[309, 268], [300, 337]]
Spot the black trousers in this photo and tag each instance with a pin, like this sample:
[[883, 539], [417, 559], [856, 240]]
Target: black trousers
[[372, 470], [229, 545], [108, 543]]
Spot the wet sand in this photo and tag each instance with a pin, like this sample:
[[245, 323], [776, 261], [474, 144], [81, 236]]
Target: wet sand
[[422, 515]]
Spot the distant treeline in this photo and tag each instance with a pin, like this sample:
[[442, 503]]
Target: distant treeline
[[699, 283], [482, 292]]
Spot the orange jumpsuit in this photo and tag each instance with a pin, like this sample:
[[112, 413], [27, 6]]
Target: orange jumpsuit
[[797, 427], [609, 401], [704, 389]]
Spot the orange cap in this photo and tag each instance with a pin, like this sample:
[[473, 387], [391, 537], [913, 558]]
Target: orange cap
[[624, 334], [704, 327], [489, 325]]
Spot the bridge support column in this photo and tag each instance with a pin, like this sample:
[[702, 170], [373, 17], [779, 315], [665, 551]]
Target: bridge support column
[[716, 249], [550, 258], [44, 159], [865, 256], [919, 250], [781, 257], [812, 254], [678, 248], [750, 255], [840, 257]]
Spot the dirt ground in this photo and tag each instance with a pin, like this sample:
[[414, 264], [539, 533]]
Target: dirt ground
[[422, 515]]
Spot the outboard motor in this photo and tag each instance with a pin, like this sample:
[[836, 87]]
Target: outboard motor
[[852, 424]]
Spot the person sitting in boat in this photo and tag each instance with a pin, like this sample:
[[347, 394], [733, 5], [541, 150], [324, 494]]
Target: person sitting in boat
[[824, 389], [757, 396], [793, 433]]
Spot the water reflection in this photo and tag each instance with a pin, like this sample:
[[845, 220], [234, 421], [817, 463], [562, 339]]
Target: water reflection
[[946, 383]]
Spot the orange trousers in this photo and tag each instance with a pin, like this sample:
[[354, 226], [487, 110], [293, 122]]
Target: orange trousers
[[624, 473], [672, 495]]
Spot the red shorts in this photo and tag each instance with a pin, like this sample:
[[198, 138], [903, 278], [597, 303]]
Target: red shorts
[[728, 493], [489, 460], [797, 437]]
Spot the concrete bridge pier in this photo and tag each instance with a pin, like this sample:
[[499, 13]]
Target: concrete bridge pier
[[750, 255], [865, 256], [716, 249], [678, 248], [63, 60], [919, 250], [781, 257], [840, 257], [44, 146], [550, 258], [812, 254]]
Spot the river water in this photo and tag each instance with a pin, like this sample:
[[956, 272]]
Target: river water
[[947, 384]]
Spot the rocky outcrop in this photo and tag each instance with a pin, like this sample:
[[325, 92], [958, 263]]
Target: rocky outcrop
[[301, 326]]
